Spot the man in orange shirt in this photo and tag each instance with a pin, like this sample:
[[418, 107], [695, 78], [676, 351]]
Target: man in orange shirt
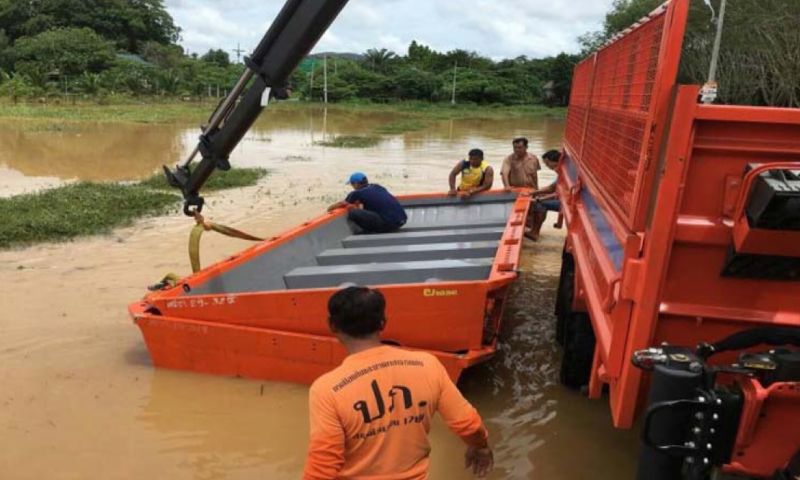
[[370, 417]]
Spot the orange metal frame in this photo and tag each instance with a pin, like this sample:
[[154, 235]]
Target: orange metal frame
[[648, 266], [769, 431], [283, 335]]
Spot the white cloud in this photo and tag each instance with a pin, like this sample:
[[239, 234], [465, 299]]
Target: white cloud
[[495, 28]]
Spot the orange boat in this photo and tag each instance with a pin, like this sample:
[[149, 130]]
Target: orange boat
[[263, 312]]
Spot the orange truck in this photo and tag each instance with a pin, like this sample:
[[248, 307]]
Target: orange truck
[[681, 265]]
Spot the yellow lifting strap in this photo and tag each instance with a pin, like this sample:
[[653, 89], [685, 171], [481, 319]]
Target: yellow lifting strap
[[202, 226]]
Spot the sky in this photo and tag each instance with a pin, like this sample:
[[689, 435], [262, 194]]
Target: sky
[[494, 28]]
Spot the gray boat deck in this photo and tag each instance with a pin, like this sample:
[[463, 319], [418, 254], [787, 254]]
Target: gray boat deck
[[445, 239]]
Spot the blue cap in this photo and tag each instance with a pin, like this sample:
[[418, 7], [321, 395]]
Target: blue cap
[[357, 177]]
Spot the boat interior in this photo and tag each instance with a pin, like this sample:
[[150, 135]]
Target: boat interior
[[444, 239]]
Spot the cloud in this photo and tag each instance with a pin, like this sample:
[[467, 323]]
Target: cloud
[[494, 28]]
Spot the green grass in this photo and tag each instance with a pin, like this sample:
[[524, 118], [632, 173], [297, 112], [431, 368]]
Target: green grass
[[220, 180], [75, 210], [401, 126], [445, 111], [350, 141], [88, 208], [146, 112], [160, 111]]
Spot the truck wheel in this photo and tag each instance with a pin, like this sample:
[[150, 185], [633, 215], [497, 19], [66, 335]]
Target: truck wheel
[[579, 342], [564, 295]]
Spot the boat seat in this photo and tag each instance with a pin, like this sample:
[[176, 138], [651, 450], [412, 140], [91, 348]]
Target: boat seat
[[408, 253], [414, 238], [389, 273], [452, 226]]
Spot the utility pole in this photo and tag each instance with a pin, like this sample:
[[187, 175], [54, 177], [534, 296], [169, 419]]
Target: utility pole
[[455, 71], [325, 78], [709, 91], [238, 51], [311, 88]]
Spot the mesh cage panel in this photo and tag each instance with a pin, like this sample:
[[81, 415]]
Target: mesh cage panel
[[578, 104], [611, 108]]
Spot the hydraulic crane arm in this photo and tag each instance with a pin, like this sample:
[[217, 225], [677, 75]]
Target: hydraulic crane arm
[[293, 34]]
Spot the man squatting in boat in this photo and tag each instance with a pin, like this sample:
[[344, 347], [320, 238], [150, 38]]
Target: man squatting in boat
[[370, 417], [380, 212]]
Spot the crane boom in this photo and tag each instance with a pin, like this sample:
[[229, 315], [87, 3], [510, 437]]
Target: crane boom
[[293, 33]]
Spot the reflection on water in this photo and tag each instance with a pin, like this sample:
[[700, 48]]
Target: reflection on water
[[81, 400], [104, 151], [87, 151]]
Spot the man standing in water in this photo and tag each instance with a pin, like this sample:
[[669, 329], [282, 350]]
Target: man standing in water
[[370, 417], [546, 199], [380, 212], [520, 169]]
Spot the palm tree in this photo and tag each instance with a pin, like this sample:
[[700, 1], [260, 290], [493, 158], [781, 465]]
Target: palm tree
[[379, 59]]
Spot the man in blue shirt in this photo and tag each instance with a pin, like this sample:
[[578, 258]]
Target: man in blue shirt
[[380, 212]]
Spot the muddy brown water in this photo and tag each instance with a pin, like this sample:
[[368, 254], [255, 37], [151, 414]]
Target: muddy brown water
[[79, 398]]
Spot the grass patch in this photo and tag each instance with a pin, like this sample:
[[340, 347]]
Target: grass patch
[[401, 126], [75, 210], [422, 111], [350, 141], [220, 180], [147, 112], [88, 208], [160, 111]]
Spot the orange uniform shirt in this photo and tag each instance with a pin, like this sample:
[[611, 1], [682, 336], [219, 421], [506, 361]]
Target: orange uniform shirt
[[370, 417]]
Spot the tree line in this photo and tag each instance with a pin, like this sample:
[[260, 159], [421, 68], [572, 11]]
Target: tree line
[[105, 48], [424, 74], [759, 58], [102, 48]]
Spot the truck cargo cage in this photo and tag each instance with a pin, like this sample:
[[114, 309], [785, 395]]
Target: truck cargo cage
[[681, 228]]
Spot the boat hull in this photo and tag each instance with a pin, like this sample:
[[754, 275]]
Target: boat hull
[[202, 325]]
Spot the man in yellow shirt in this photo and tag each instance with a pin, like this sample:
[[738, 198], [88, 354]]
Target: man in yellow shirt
[[370, 417], [476, 175]]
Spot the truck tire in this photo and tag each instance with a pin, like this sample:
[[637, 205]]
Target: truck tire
[[578, 354], [564, 295]]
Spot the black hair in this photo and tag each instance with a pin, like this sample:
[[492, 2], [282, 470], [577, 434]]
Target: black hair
[[521, 140], [357, 311], [476, 152], [552, 155]]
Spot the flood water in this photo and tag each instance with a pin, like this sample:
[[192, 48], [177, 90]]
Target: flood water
[[79, 398]]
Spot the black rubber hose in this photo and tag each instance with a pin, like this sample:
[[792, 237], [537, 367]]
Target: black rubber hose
[[775, 336]]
